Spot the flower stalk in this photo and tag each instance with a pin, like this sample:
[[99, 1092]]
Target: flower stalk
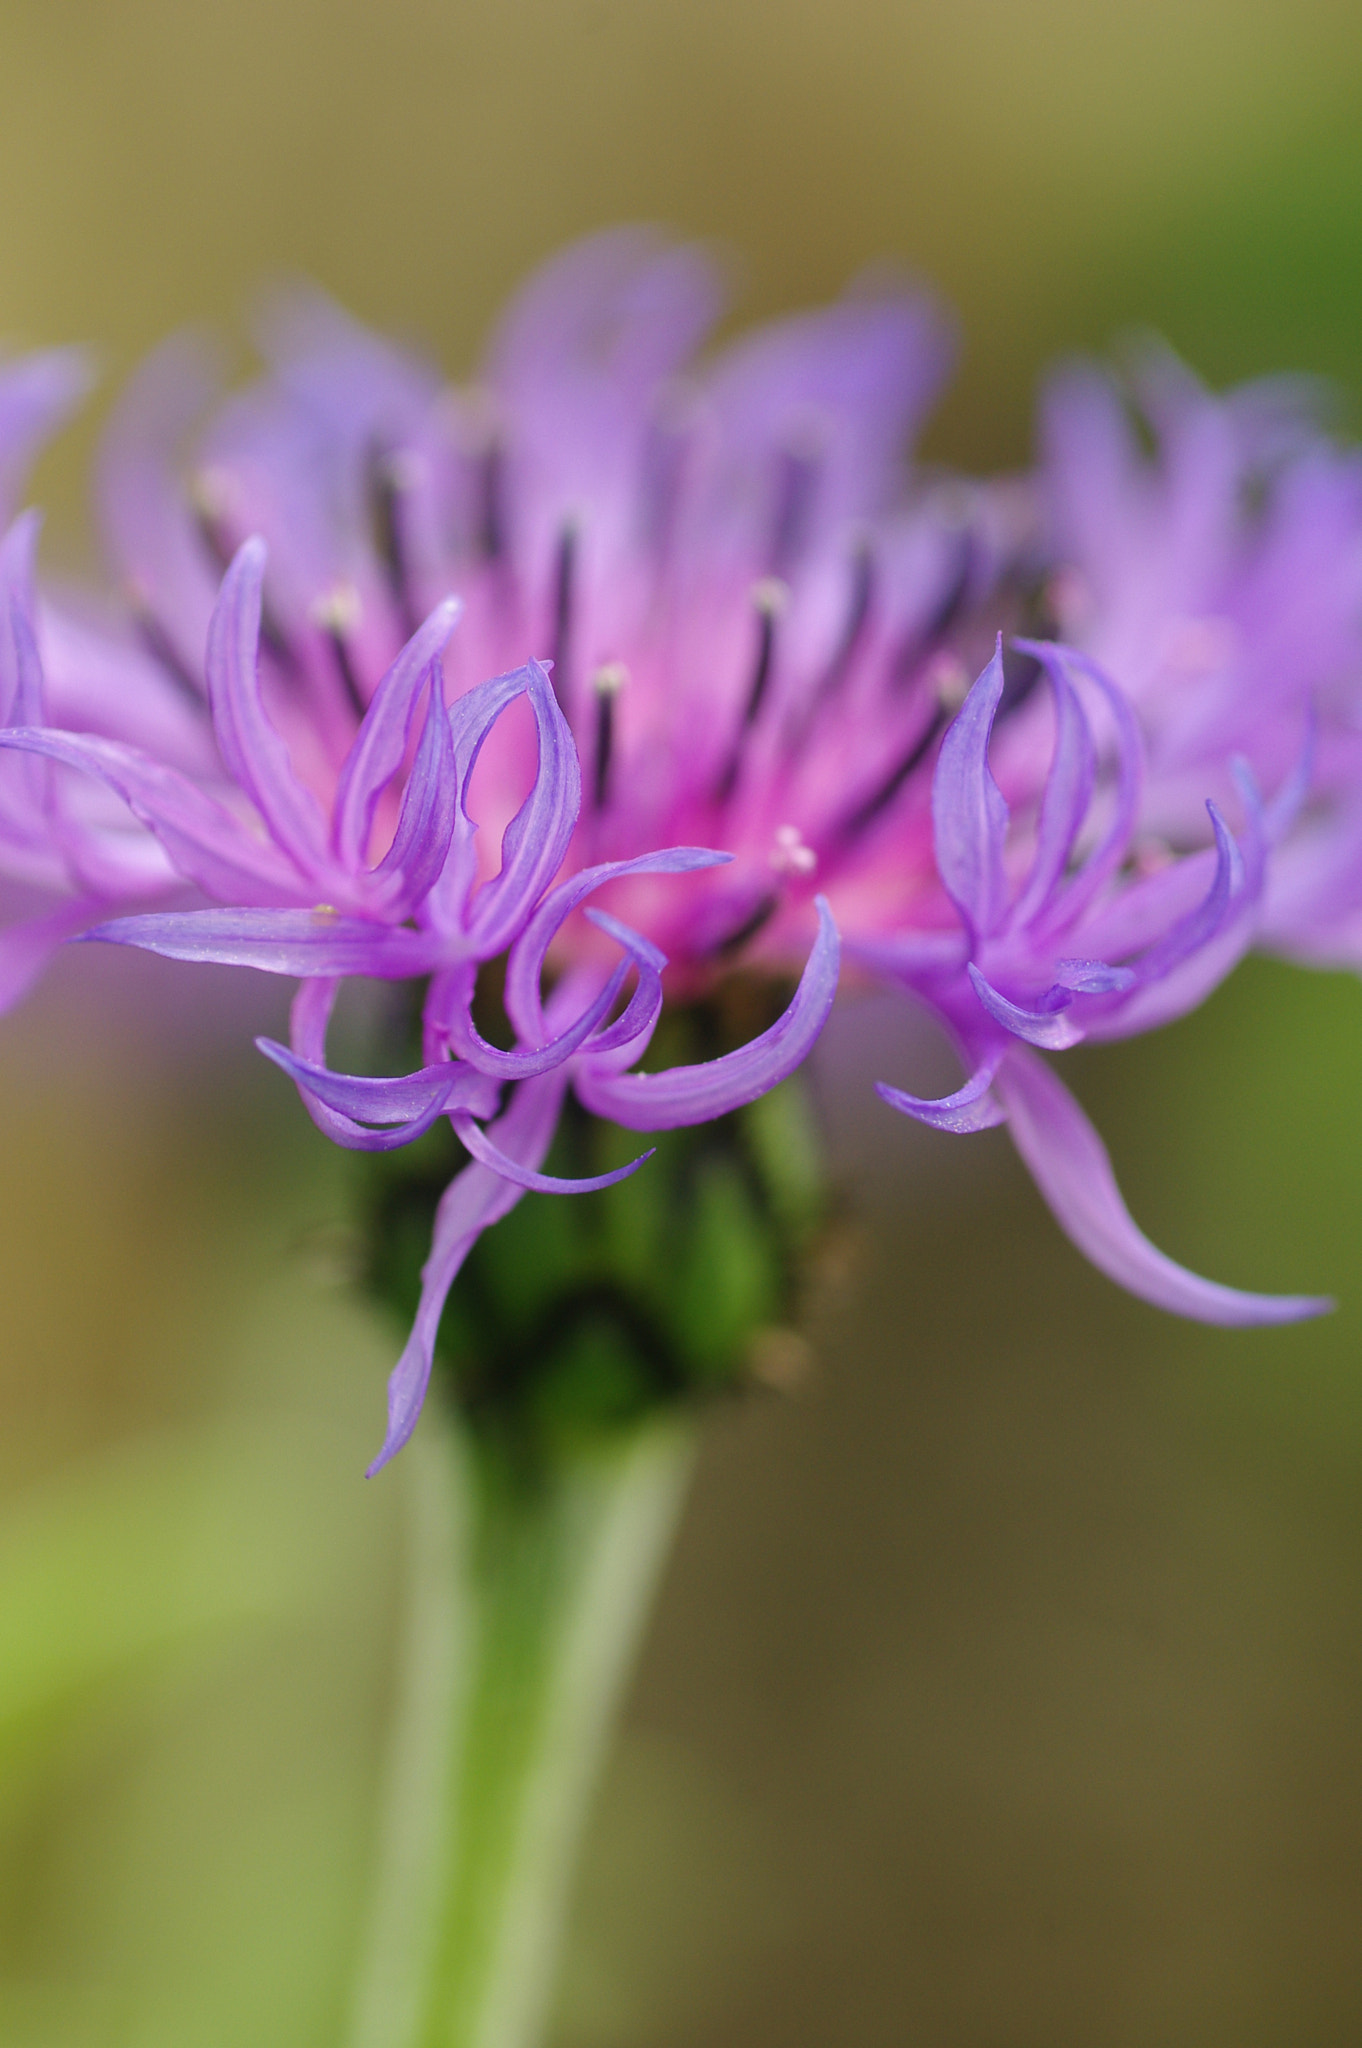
[[530, 1588]]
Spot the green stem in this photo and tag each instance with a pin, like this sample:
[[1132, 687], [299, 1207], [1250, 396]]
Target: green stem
[[526, 1610]]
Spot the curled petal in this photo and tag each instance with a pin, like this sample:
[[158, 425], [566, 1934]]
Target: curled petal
[[1199, 950], [352, 1104], [970, 1108], [345, 1107], [1071, 1167], [1064, 806], [303, 942], [535, 841], [1073, 896], [624, 1041], [252, 751], [969, 814], [1052, 1028], [381, 741], [692, 1095], [461, 1034], [526, 961], [1092, 977], [487, 1154], [425, 823], [474, 1199]]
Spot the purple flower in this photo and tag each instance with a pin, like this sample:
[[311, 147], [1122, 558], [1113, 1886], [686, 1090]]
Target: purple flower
[[303, 896], [718, 610], [1220, 578]]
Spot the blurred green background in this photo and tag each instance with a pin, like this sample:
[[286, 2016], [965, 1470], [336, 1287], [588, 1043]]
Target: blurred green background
[[1006, 1691]]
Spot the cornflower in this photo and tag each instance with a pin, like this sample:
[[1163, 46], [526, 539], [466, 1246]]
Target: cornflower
[[717, 590]]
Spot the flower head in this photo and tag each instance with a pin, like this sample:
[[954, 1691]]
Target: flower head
[[698, 607]]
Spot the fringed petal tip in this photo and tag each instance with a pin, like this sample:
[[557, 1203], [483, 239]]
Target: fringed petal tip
[[971, 1108]]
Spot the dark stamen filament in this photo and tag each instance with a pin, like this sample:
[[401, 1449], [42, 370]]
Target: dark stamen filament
[[866, 813], [797, 480], [769, 598], [336, 612], [562, 613], [755, 921], [163, 650], [950, 605], [345, 669], [606, 685], [847, 648], [386, 483], [491, 511]]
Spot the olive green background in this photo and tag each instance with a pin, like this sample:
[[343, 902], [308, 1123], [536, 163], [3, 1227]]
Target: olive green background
[[1007, 1688]]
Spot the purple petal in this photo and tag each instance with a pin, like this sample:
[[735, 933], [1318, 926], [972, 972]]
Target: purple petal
[[535, 841], [692, 1095], [626, 1040], [969, 815], [1052, 1028], [207, 844], [301, 942], [1192, 932], [36, 393], [487, 1154], [425, 823], [336, 1101], [1286, 806], [456, 991], [21, 676], [1070, 1166], [577, 363], [542, 827], [1073, 897], [1068, 792], [381, 741], [474, 1199], [526, 961], [358, 1101], [1092, 977], [146, 522], [252, 751], [971, 1108]]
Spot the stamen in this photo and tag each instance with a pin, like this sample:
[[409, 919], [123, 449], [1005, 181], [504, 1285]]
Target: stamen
[[848, 645], [337, 612], [754, 922], [948, 680], [950, 605], [390, 476], [606, 685], [797, 482], [161, 647], [789, 855], [213, 500], [471, 420], [491, 507], [769, 599], [563, 593], [866, 813]]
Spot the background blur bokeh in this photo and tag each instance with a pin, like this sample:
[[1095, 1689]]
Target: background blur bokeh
[[1006, 1690]]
